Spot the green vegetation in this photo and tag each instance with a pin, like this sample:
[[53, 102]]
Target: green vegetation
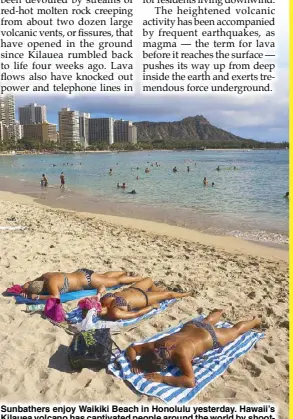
[[28, 145]]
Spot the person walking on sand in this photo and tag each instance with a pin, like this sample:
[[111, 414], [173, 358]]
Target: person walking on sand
[[62, 180], [179, 349]]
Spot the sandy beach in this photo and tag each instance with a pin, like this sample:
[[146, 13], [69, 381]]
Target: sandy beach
[[243, 278]]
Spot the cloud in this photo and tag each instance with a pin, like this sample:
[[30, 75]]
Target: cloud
[[257, 116]]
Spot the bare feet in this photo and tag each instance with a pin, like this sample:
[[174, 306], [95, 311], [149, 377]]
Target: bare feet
[[134, 276], [257, 321], [220, 311]]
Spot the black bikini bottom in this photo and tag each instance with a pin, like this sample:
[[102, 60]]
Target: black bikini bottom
[[144, 293]]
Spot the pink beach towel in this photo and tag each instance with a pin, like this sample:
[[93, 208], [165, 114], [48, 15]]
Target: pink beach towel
[[90, 302], [15, 289]]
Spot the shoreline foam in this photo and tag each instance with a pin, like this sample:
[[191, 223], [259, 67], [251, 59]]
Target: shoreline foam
[[227, 243]]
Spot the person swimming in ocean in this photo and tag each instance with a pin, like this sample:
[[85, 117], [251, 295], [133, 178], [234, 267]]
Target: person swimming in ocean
[[175, 169], [218, 168], [133, 192], [286, 195]]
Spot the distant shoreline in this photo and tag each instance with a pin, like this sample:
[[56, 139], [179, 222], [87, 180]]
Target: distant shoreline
[[36, 153]]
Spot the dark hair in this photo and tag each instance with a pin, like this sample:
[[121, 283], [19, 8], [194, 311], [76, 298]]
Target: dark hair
[[153, 361], [43, 174]]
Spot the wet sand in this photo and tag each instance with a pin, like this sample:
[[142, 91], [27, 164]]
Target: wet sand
[[78, 200]]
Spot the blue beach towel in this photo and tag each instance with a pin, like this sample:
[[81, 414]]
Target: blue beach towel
[[206, 368], [68, 296], [75, 316]]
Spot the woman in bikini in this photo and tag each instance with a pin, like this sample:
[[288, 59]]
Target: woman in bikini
[[180, 348], [142, 298], [55, 283]]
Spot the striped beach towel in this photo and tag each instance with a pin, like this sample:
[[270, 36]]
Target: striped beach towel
[[75, 316], [206, 368]]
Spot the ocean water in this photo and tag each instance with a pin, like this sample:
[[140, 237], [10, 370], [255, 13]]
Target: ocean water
[[247, 202]]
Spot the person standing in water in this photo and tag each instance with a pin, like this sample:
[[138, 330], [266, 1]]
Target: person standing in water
[[188, 168], [44, 181], [205, 181], [62, 180]]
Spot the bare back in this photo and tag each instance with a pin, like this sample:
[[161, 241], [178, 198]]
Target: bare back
[[190, 341], [55, 280]]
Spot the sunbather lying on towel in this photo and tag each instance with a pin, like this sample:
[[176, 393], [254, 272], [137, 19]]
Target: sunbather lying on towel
[[143, 298], [55, 283], [180, 348]]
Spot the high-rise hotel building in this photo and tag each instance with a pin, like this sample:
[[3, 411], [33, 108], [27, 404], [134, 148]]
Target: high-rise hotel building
[[84, 128], [43, 133], [7, 116], [101, 130], [124, 132], [68, 127], [32, 114]]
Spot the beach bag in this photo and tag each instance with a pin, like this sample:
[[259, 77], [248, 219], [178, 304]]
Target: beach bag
[[54, 310], [89, 303], [91, 349], [92, 321]]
